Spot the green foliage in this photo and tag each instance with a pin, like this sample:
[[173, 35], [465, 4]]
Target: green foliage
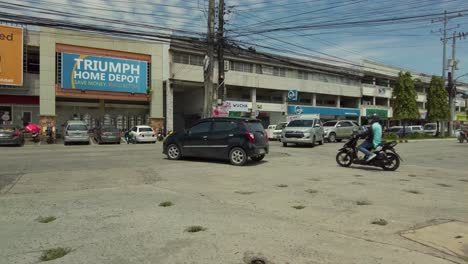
[[437, 104], [390, 136], [404, 96]]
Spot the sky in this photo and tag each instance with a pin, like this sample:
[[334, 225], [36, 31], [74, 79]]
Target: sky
[[402, 33]]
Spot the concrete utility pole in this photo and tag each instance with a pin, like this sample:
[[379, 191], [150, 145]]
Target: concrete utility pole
[[451, 82], [208, 64], [444, 41], [221, 85]]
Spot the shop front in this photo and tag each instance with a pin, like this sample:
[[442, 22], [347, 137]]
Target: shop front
[[16, 110], [268, 113], [462, 117], [326, 113], [102, 87]]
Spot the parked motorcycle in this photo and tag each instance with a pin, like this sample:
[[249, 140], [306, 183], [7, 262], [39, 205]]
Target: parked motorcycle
[[50, 135], [160, 135], [386, 158], [34, 130], [463, 136]]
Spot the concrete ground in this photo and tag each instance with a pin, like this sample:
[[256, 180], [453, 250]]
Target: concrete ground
[[106, 200]]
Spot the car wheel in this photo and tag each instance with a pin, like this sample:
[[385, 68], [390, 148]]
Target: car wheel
[[285, 144], [332, 137], [321, 142], [313, 141], [258, 158], [237, 156], [118, 142], [173, 152]]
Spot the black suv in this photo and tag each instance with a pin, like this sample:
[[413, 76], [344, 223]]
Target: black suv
[[235, 139]]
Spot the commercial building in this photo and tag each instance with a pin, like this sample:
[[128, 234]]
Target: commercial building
[[97, 78]]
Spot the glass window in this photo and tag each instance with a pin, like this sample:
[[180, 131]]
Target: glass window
[[346, 124], [196, 60], [146, 129], [32, 59], [201, 128], [280, 126], [134, 129], [181, 58], [255, 126], [77, 127], [110, 129], [279, 72], [301, 123], [329, 124], [258, 69], [224, 126]]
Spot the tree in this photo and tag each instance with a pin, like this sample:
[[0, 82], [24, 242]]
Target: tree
[[404, 96], [437, 104]]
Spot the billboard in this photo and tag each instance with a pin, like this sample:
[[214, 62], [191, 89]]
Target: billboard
[[11, 56], [89, 72], [323, 111]]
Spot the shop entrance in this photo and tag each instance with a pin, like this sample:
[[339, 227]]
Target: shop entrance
[[188, 105]]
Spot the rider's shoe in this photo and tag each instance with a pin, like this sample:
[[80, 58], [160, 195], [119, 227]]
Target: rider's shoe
[[371, 156]]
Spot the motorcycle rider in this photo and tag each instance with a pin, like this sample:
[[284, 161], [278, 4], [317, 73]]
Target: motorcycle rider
[[373, 137]]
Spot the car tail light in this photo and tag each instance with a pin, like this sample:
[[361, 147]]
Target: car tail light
[[266, 136], [17, 134], [250, 136]]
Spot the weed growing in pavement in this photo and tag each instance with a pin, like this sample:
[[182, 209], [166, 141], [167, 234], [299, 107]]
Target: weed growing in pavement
[[282, 185], [45, 220], [363, 202], [413, 191], [244, 192], [166, 204], [411, 175], [54, 253], [406, 180], [358, 183], [314, 179], [379, 221], [464, 180], [357, 175], [194, 229], [444, 185], [298, 207], [311, 191]]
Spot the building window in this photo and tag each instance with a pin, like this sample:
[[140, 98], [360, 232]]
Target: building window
[[181, 58], [258, 69], [58, 67], [27, 117], [196, 60], [31, 60], [279, 71], [241, 66], [305, 100], [302, 75]]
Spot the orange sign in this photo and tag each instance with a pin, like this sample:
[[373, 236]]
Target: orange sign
[[11, 55]]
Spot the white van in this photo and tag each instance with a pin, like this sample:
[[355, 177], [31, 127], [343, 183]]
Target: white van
[[303, 130]]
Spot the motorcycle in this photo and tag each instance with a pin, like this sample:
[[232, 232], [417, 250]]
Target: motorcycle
[[34, 130], [160, 135], [50, 135], [386, 158], [462, 136]]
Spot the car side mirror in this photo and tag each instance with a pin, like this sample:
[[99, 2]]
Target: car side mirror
[[318, 125]]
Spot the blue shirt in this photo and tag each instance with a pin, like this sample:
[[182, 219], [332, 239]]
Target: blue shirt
[[377, 134]]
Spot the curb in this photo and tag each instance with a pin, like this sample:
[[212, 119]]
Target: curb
[[426, 140]]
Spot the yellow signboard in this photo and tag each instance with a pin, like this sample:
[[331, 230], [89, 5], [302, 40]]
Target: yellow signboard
[[11, 55]]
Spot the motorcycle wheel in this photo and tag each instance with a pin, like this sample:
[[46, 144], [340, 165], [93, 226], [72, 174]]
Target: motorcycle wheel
[[392, 163], [344, 159]]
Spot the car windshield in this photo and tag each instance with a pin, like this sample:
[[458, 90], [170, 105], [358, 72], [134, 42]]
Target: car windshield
[[110, 129], [429, 127], [146, 129], [77, 127], [329, 124], [254, 126], [281, 126], [7, 129], [301, 123]]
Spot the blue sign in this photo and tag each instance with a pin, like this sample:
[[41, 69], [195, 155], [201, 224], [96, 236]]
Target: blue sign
[[323, 111], [292, 95], [87, 72]]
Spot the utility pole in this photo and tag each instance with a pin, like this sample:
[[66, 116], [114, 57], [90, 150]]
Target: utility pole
[[221, 84], [444, 41], [208, 63], [451, 84]]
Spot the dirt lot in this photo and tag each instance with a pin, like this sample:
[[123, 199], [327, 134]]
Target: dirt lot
[[295, 207]]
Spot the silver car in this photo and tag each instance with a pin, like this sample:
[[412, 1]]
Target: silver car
[[338, 130], [75, 131], [303, 131]]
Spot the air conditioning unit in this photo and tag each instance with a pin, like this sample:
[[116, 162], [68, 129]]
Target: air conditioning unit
[[226, 65]]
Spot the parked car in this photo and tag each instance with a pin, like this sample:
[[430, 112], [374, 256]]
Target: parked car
[[75, 131], [234, 139], [278, 130], [303, 131], [431, 129], [11, 135], [270, 130], [139, 134], [398, 130], [107, 134], [339, 130]]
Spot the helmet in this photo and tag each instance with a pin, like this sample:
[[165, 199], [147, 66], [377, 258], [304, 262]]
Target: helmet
[[374, 118]]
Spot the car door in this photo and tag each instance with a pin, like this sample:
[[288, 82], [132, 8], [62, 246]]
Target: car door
[[133, 132], [347, 129], [222, 137], [195, 142]]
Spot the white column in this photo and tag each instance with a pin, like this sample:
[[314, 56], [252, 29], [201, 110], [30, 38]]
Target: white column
[[373, 81], [338, 101], [253, 98], [373, 100], [388, 102], [314, 99], [169, 106]]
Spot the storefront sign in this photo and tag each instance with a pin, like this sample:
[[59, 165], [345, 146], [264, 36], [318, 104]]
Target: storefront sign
[[86, 72], [324, 111], [236, 106], [382, 113], [292, 95], [462, 117], [11, 56]]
